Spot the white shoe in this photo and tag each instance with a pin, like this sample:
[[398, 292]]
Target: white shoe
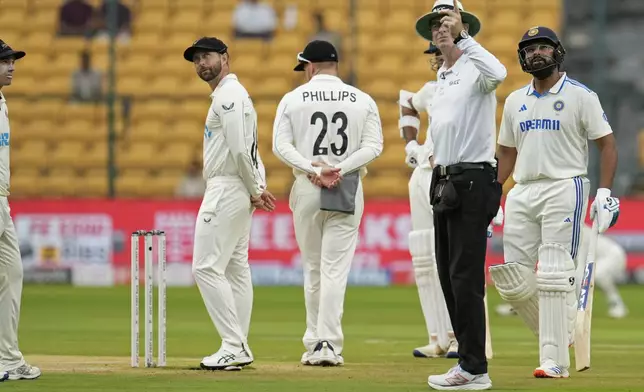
[[452, 351], [550, 370], [24, 372], [226, 360], [4, 376], [457, 379], [432, 350], [306, 358], [324, 355], [617, 311]]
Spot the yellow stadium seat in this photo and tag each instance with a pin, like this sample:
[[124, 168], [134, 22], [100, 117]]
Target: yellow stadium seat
[[136, 64], [378, 187], [194, 110], [395, 44], [287, 44], [544, 17], [151, 109], [79, 111], [55, 186], [137, 155], [279, 183], [381, 88], [82, 130], [272, 162], [151, 21], [186, 21], [92, 186], [131, 86], [97, 154], [368, 21], [163, 186], [47, 108], [402, 21], [36, 42], [132, 186], [146, 130], [24, 186], [145, 42], [43, 20], [68, 154], [271, 88], [12, 19], [55, 85], [173, 155], [34, 154]]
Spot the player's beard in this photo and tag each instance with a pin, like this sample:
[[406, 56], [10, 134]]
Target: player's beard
[[5, 75], [208, 74], [544, 67]]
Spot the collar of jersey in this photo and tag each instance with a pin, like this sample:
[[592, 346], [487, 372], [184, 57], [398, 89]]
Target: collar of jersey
[[230, 76], [454, 69], [2, 98], [325, 77], [556, 89]]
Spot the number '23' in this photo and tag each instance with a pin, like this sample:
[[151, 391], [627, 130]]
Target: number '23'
[[337, 117]]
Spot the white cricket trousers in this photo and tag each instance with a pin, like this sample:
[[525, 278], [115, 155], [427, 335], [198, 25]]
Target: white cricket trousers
[[220, 259], [327, 242], [10, 290]]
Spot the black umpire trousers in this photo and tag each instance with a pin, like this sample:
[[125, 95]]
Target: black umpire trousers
[[465, 199]]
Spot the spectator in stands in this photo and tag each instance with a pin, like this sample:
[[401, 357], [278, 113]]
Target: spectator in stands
[[124, 21], [253, 19], [322, 34], [192, 186], [87, 83], [75, 18]]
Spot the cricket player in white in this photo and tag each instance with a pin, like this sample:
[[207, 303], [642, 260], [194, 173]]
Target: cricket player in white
[[442, 341], [328, 132], [236, 185], [610, 266], [544, 138], [12, 363]]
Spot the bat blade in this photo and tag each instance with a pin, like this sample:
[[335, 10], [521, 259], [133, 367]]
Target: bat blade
[[585, 307]]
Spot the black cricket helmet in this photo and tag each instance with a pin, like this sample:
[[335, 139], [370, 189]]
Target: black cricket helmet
[[545, 35]]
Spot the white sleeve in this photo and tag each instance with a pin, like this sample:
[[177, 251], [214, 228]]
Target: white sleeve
[[283, 141], [370, 145], [593, 118], [506, 134], [492, 71], [423, 97], [240, 130]]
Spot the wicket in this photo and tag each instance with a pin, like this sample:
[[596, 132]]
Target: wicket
[[149, 297]]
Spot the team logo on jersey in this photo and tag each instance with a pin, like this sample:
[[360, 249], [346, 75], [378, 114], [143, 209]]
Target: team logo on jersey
[[523, 108], [559, 105], [4, 139], [533, 31], [228, 108]]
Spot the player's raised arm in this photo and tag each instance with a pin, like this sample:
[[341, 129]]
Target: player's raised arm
[[371, 143], [284, 142], [240, 130]]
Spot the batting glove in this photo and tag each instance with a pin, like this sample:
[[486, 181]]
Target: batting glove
[[411, 149], [496, 221], [605, 209]]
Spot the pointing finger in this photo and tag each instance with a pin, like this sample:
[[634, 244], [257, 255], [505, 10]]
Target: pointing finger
[[456, 9]]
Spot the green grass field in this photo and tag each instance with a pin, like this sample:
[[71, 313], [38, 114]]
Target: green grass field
[[80, 338]]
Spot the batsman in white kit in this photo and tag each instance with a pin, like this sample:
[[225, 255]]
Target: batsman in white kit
[[235, 186], [328, 132], [544, 138], [12, 364], [442, 341]]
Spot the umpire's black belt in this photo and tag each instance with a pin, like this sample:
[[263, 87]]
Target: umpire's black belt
[[459, 168]]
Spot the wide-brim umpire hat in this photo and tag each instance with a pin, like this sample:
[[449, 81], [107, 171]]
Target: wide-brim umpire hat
[[6, 52], [205, 44], [317, 51], [423, 24]]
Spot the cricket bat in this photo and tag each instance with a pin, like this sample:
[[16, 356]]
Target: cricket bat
[[585, 307], [488, 336]]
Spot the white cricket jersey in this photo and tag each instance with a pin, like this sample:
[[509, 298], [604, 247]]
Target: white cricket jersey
[[551, 131], [5, 137], [422, 101], [326, 120], [230, 137], [464, 107]]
